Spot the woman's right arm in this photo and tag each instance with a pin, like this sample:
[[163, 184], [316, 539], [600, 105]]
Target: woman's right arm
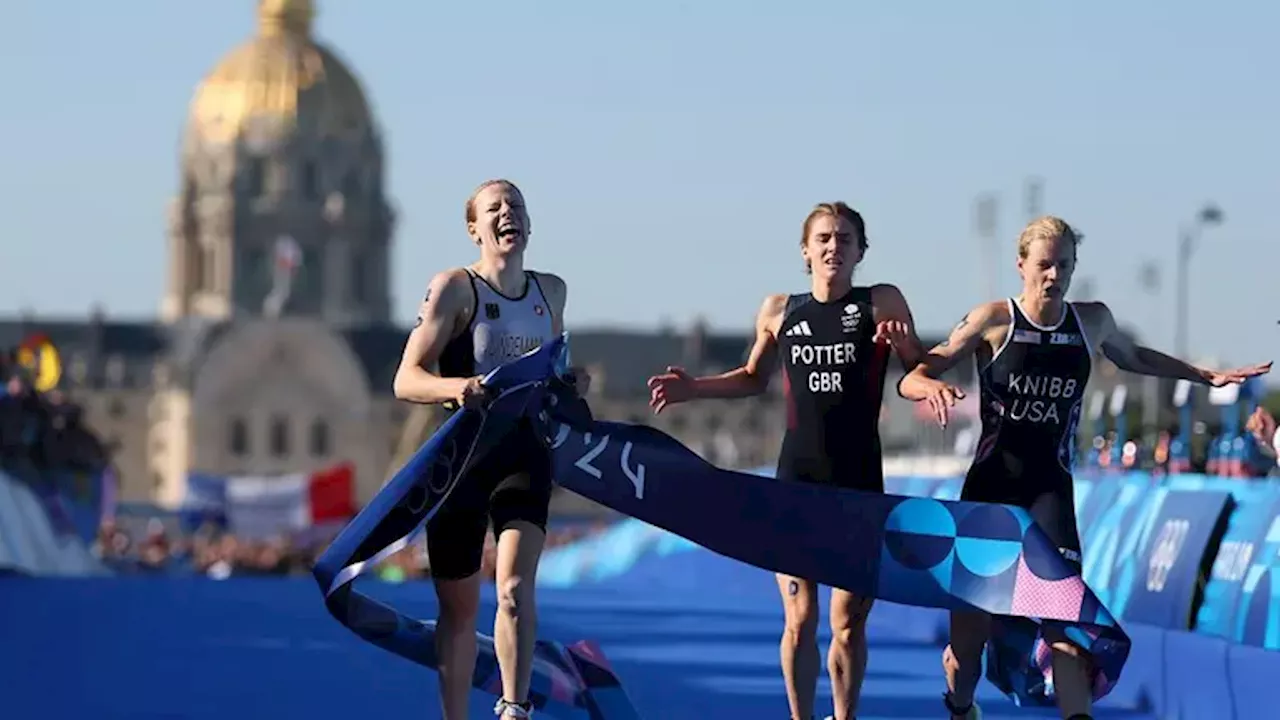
[[753, 377], [444, 306], [964, 339]]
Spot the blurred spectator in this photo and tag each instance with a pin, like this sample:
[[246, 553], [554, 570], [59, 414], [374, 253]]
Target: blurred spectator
[[1263, 427], [216, 554], [43, 430]]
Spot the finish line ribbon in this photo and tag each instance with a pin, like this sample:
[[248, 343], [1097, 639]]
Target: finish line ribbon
[[568, 680], [913, 551]]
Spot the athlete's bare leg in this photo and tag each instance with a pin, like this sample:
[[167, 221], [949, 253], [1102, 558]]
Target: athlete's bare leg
[[847, 658], [962, 660], [456, 642], [1072, 671], [799, 646], [515, 627]]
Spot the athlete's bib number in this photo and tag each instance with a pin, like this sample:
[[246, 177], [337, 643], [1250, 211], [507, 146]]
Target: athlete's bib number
[[827, 381]]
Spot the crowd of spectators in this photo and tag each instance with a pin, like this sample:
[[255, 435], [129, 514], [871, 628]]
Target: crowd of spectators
[[42, 431], [155, 546]]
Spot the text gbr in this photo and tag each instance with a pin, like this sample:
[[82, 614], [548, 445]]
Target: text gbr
[[837, 354]]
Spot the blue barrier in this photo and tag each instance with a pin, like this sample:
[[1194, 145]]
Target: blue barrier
[[1163, 577], [1260, 604], [1226, 598]]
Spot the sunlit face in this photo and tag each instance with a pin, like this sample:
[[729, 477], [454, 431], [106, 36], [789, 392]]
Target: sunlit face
[[502, 223], [831, 248], [1046, 270]]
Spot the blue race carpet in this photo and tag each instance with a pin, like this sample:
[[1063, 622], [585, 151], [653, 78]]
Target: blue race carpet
[[266, 648]]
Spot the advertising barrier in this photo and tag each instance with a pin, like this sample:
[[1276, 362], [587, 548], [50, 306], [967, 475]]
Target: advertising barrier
[[1258, 619], [1114, 539], [1256, 507], [1164, 575]]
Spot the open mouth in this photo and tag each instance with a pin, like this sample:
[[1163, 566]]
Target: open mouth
[[509, 232]]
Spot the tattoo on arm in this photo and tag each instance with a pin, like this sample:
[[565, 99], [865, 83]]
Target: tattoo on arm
[[946, 342], [422, 309]]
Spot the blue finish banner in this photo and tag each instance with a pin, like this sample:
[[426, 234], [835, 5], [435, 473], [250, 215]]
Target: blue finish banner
[[1163, 581], [566, 679], [914, 551]]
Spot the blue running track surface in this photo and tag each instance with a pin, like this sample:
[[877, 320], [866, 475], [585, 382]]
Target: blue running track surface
[[693, 636]]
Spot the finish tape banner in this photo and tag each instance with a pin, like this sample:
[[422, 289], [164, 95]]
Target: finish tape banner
[[914, 551], [568, 680]]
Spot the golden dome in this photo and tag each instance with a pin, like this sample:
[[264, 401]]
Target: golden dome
[[281, 78]]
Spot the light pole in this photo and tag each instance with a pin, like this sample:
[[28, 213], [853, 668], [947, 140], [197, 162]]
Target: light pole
[[1149, 281], [984, 220], [1032, 197], [1209, 216]]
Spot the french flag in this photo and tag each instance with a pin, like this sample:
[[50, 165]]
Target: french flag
[[263, 506]]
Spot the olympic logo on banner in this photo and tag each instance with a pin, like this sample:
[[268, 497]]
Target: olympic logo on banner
[[39, 357], [1165, 552]]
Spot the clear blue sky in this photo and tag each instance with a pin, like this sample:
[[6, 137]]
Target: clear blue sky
[[670, 149]]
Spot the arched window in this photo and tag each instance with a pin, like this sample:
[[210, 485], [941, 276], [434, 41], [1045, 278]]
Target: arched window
[[319, 438], [238, 437], [279, 436]]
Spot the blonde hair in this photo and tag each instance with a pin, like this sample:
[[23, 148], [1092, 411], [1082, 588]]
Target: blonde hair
[[470, 211], [840, 211], [1047, 227]]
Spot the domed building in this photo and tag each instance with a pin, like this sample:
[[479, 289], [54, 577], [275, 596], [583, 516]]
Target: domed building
[[274, 350], [281, 207], [281, 349]]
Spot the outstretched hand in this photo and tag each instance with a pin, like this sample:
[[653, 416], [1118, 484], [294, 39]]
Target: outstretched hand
[[673, 386], [1262, 425], [941, 397], [1219, 378], [894, 333]]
